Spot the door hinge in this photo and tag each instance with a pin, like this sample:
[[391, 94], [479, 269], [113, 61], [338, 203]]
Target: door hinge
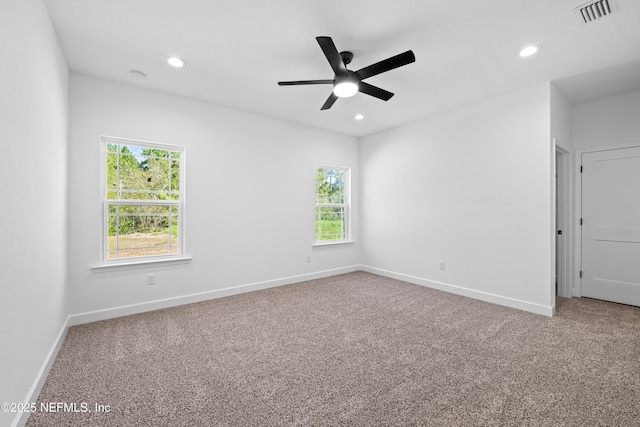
[[580, 221], [581, 274], [580, 168]]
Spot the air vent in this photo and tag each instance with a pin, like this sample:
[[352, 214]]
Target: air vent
[[595, 10]]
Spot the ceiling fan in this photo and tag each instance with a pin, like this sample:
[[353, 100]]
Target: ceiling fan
[[347, 83]]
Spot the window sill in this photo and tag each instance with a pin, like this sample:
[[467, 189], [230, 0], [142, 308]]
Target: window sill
[[339, 243], [130, 265]]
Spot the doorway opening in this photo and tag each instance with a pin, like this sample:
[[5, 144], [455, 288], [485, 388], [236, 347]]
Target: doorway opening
[[563, 285]]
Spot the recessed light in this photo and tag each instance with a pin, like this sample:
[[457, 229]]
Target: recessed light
[[174, 61], [529, 50], [138, 75], [359, 117]]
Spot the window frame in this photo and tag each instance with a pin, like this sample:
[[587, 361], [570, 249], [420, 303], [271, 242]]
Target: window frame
[[106, 203], [346, 206]]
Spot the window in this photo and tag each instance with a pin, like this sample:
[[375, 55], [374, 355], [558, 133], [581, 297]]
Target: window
[[332, 204], [143, 199]]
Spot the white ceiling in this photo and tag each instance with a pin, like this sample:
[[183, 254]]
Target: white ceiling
[[237, 51]]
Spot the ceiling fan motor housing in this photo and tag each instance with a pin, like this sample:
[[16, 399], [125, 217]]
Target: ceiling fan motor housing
[[347, 57]]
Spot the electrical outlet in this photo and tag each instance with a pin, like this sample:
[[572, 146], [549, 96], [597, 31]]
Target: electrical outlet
[[151, 279], [308, 258], [442, 265]]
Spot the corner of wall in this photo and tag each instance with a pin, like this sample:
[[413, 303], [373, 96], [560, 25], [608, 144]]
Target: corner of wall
[[34, 281]]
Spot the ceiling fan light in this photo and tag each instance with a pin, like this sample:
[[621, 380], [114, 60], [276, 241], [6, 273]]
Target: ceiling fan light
[[345, 89]]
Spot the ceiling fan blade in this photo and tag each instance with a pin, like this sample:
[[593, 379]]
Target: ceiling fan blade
[[332, 54], [306, 82], [387, 64], [329, 102], [374, 91]]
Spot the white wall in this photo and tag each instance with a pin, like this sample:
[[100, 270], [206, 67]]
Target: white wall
[[471, 187], [607, 121], [33, 135], [249, 189], [561, 119]]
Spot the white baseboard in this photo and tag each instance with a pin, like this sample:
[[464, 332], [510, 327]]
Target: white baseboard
[[38, 382], [109, 313], [471, 293], [93, 316], [126, 310]]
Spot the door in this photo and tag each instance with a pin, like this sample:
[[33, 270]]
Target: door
[[611, 225]]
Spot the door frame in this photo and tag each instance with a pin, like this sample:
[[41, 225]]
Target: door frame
[[562, 182], [577, 289]]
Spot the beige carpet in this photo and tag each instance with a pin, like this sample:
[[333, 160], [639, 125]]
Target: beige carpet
[[352, 350]]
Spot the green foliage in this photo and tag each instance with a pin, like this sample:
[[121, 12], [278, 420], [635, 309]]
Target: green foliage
[[139, 173], [329, 186], [330, 194], [130, 219], [329, 230]]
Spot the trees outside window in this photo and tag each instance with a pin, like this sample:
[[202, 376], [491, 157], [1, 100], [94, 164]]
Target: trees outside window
[[332, 204], [143, 199]]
